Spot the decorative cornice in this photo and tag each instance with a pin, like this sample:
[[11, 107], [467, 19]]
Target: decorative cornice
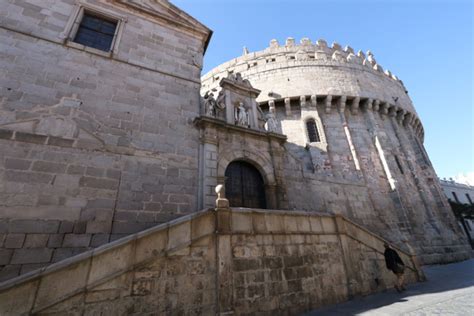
[[205, 121]]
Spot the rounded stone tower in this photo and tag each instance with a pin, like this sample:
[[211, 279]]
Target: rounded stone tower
[[354, 142]]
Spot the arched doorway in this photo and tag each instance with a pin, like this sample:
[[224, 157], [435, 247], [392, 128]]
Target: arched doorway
[[244, 185]]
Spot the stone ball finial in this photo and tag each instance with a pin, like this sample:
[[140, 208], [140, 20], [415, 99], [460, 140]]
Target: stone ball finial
[[221, 202], [220, 191]]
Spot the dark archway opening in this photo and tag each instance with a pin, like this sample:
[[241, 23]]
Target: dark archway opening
[[244, 185]]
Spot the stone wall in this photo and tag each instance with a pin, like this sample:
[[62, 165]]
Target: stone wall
[[369, 163], [237, 261], [93, 145]]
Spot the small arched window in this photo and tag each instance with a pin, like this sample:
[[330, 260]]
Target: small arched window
[[312, 129]]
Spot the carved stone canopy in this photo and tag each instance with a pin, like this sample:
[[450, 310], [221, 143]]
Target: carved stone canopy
[[240, 102], [239, 85]]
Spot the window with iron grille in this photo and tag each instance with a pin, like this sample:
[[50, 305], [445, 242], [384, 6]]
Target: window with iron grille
[[312, 129], [96, 32]]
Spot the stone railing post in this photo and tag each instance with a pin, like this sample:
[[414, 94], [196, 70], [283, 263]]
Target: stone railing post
[[224, 278]]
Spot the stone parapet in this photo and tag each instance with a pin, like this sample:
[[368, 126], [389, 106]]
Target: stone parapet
[[241, 260], [293, 70]]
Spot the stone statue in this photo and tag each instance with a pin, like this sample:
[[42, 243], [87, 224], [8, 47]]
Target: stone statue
[[271, 124], [261, 118], [241, 115], [220, 102], [210, 104]]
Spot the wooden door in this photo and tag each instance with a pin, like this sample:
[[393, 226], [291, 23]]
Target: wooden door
[[244, 186]]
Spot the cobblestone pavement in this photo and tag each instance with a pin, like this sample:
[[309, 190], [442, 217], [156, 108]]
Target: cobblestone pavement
[[448, 291]]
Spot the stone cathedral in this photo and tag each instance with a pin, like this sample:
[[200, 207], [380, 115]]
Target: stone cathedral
[[131, 185]]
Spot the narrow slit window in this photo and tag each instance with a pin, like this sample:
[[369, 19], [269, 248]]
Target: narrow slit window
[[96, 32], [455, 197], [468, 198], [399, 164], [312, 129]]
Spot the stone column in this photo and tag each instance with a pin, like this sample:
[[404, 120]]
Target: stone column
[[229, 108], [254, 119], [328, 103], [288, 106], [355, 106], [314, 100], [303, 101]]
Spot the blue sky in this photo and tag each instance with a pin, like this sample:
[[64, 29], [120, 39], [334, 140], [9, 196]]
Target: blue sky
[[427, 44]]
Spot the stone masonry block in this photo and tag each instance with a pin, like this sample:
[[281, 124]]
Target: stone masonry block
[[28, 177], [9, 271], [5, 134], [66, 227], [77, 240], [61, 142], [99, 240], [259, 225], [328, 224], [111, 261], [290, 223], [30, 138], [202, 226], [274, 223], [14, 240], [55, 240], [51, 167], [5, 256], [32, 255], [179, 235], [19, 164], [302, 222], [151, 245], [36, 240], [95, 227], [316, 226], [98, 183], [33, 226], [242, 222]]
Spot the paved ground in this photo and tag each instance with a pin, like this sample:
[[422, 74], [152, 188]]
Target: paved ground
[[448, 291]]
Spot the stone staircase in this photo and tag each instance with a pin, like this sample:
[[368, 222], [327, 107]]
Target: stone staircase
[[225, 261]]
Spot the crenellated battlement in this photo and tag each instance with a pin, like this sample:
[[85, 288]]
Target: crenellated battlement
[[318, 52]]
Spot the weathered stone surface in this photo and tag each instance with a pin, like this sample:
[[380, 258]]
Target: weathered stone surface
[[360, 115], [79, 139], [291, 272], [93, 149], [34, 255]]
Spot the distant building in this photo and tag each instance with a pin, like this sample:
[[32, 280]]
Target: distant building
[[462, 194]]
